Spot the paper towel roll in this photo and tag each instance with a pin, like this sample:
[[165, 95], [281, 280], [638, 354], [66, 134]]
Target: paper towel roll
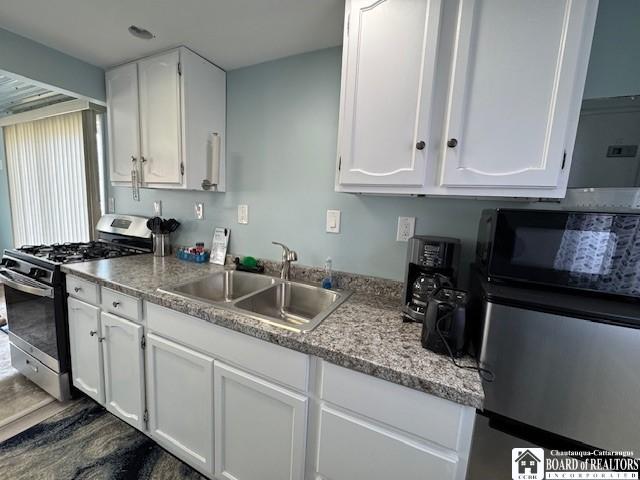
[[214, 157]]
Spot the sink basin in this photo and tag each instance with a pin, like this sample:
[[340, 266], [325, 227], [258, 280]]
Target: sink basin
[[292, 305], [223, 287], [296, 306]]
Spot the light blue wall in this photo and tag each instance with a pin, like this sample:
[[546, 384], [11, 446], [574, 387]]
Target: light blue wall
[[614, 65], [282, 127], [22, 56], [19, 55]]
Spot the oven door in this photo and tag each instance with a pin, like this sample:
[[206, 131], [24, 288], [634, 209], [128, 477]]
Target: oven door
[[579, 250], [31, 317]]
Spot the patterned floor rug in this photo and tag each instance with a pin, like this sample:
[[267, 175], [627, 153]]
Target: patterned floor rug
[[87, 442]]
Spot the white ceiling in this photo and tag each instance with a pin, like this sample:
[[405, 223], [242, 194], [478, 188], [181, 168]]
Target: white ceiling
[[18, 95], [231, 33]]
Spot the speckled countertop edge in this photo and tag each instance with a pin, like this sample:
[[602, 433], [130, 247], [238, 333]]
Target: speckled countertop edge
[[364, 335]]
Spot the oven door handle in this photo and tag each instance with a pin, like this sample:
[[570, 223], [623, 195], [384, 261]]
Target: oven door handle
[[22, 287]]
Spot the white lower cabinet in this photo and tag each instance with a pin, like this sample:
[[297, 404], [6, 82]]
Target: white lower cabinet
[[123, 368], [86, 357], [351, 448], [180, 401], [260, 428], [160, 376]]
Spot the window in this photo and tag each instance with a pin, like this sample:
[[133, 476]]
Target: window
[[53, 194]]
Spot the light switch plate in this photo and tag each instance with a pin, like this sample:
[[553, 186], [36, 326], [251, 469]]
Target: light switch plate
[[243, 214], [199, 210], [406, 228], [157, 208], [112, 205], [333, 221]]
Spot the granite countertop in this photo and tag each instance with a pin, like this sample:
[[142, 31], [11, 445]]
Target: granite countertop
[[365, 333]]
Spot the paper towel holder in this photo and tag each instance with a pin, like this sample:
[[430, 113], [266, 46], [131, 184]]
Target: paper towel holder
[[213, 150]]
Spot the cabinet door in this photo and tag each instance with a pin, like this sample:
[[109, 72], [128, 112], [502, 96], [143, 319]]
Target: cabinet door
[[160, 138], [86, 358], [180, 401], [123, 369], [512, 92], [260, 428], [386, 97], [354, 449], [123, 120]]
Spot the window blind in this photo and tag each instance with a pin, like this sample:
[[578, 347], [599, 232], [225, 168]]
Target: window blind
[[47, 183]]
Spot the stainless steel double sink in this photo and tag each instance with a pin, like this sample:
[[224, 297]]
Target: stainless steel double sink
[[284, 303]]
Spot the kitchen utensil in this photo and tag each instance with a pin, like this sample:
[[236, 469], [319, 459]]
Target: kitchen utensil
[[161, 245], [172, 225]]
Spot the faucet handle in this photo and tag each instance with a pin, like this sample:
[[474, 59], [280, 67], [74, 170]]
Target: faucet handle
[[292, 256]]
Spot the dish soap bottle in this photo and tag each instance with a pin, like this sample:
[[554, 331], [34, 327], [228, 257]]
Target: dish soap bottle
[[327, 281]]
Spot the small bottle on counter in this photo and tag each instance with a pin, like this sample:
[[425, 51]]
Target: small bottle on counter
[[327, 281]]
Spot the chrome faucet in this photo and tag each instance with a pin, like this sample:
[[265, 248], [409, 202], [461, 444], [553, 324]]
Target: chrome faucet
[[288, 256]]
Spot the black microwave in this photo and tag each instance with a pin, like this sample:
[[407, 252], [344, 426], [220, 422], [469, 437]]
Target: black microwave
[[585, 251]]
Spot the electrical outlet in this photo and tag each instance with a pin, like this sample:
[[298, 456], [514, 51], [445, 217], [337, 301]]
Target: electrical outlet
[[199, 211], [243, 214], [157, 208], [112, 205], [406, 228], [333, 221]]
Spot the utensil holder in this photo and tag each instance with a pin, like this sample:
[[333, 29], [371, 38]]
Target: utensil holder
[[161, 245]]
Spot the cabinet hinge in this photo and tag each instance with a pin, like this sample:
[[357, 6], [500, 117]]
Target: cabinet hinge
[[339, 163], [145, 417], [182, 168], [348, 23], [179, 68], [564, 160], [143, 342]]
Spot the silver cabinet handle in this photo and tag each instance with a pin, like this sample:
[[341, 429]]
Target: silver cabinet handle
[[77, 289], [92, 333], [115, 304]]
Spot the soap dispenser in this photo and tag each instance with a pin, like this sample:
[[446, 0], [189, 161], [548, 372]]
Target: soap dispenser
[[327, 281]]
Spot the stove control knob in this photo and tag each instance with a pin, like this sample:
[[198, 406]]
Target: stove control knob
[[8, 262]]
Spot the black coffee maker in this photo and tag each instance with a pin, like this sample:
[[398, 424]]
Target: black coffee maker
[[432, 264]]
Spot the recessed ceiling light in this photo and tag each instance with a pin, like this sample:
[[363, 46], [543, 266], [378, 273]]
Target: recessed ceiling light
[[141, 32]]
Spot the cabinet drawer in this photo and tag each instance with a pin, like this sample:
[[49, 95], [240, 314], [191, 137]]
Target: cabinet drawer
[[123, 305], [83, 290], [380, 454], [268, 360], [418, 413]]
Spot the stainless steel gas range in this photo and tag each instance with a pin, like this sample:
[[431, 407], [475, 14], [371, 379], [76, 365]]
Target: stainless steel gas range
[[35, 297]]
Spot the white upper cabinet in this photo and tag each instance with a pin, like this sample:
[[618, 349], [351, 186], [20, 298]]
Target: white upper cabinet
[[492, 87], [511, 93], [387, 87], [160, 118], [123, 121], [167, 120]]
